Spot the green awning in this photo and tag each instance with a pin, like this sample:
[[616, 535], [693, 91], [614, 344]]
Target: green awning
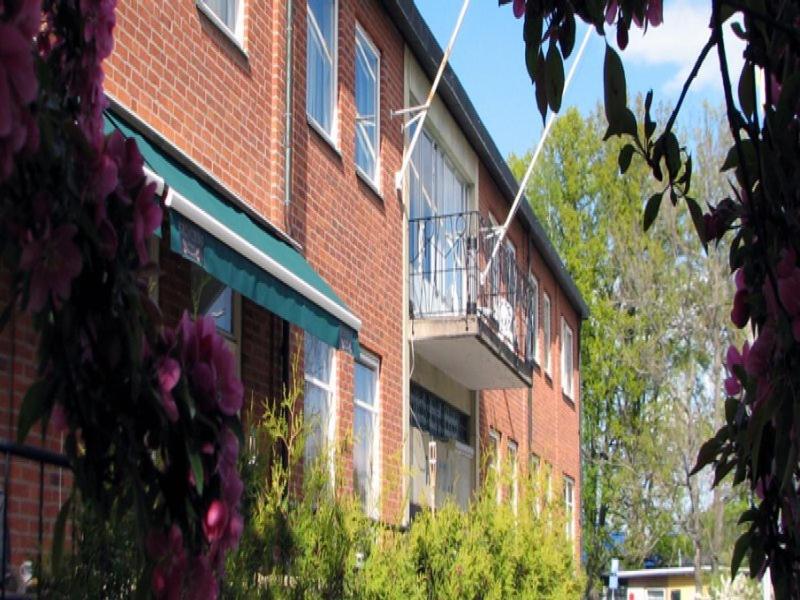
[[233, 248]]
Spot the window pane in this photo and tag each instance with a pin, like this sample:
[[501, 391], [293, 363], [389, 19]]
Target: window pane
[[365, 384], [213, 298], [317, 359], [367, 111], [363, 454], [316, 413], [321, 50], [225, 11]]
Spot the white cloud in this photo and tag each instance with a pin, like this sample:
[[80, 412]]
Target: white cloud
[[677, 43]]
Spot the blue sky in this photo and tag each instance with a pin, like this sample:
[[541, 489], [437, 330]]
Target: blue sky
[[489, 60]]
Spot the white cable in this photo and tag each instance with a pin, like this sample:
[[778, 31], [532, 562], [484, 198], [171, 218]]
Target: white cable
[[398, 178], [524, 183]]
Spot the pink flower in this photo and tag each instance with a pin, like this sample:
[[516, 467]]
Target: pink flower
[[519, 8], [146, 218], [167, 550], [758, 360], [169, 373], [53, 261], [99, 21], [18, 84], [611, 11], [215, 521], [735, 359], [202, 583], [655, 13], [740, 313]]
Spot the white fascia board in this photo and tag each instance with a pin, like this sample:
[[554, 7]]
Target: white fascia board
[[151, 177], [205, 221]]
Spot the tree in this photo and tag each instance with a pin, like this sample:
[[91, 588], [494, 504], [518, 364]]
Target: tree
[[758, 442]]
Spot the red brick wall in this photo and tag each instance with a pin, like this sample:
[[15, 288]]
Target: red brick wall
[[352, 235], [553, 418]]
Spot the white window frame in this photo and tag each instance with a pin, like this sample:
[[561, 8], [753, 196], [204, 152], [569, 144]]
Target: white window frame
[[569, 506], [327, 444], [311, 23], [373, 178], [235, 34], [494, 441], [661, 591], [548, 334], [372, 363], [513, 461], [533, 320], [567, 360]]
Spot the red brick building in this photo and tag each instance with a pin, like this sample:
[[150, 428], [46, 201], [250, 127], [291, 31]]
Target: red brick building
[[270, 129]]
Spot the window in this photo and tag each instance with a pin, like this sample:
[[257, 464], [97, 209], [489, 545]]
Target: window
[[535, 473], [366, 433], [548, 366], [321, 65], [675, 595], [514, 466], [511, 272], [532, 344], [494, 269], [569, 506], [318, 405], [567, 353], [368, 102], [655, 594], [226, 15], [494, 461], [213, 298]]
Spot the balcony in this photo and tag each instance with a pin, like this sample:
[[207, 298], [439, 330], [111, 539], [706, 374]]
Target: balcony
[[475, 332]]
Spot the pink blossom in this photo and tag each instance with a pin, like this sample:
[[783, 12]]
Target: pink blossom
[[202, 583], [655, 13], [18, 84], [169, 373], [53, 261], [215, 521], [167, 550], [28, 17], [146, 218], [760, 356], [99, 21], [519, 8], [732, 386], [740, 313], [611, 11]]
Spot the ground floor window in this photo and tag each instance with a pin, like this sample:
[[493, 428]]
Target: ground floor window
[[318, 402], [569, 506], [366, 433]]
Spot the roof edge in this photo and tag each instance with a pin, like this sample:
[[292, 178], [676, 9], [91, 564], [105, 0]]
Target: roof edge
[[429, 53]]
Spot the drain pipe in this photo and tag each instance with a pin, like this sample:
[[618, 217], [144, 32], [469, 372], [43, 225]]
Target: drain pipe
[[287, 129]]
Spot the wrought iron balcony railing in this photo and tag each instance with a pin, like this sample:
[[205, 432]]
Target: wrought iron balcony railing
[[447, 255]]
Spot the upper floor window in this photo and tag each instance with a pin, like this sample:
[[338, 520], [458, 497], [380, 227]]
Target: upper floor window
[[533, 320], [547, 326], [366, 433], [494, 462], [367, 93], [318, 407], [321, 51], [569, 506], [226, 14], [567, 366]]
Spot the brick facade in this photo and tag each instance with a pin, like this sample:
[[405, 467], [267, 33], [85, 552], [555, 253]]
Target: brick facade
[[224, 107]]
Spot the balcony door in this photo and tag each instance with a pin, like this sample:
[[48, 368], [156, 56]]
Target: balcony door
[[438, 229]]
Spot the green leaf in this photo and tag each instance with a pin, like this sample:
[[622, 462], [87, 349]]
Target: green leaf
[[623, 123], [697, 218], [541, 91], [707, 455], [566, 36], [625, 156], [615, 94], [651, 210], [555, 78], [747, 89], [672, 152], [739, 551], [532, 30], [33, 408], [531, 60], [58, 534], [197, 470], [731, 160]]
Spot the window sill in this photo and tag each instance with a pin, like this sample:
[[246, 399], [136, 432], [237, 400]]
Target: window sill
[[369, 183], [230, 35], [568, 399], [323, 134]]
